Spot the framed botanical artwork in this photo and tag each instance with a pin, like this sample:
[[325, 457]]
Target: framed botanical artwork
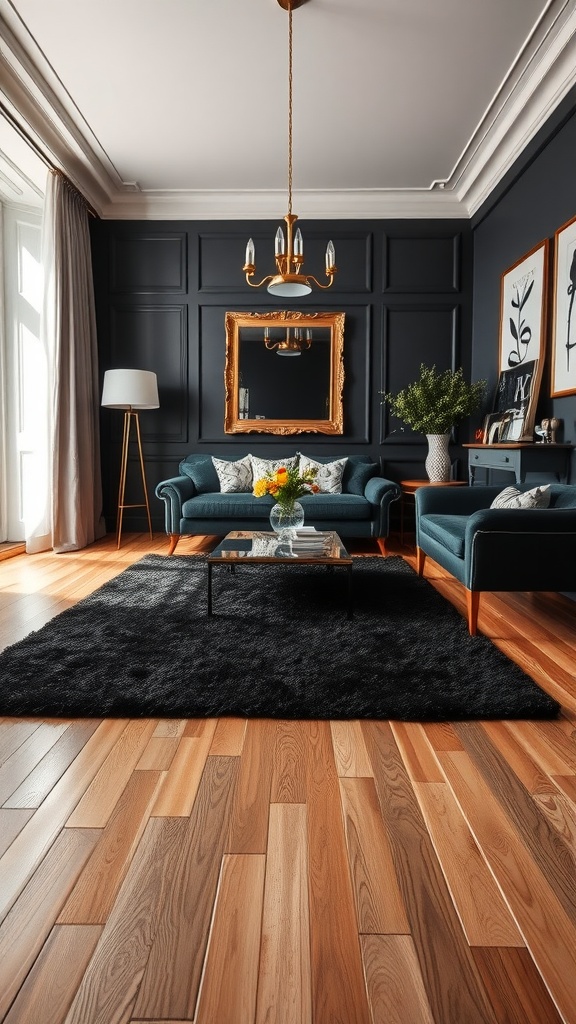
[[564, 318], [523, 294]]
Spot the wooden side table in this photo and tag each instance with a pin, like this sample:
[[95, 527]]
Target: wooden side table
[[409, 488]]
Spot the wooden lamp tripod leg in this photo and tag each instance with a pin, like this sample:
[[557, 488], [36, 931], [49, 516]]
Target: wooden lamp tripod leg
[[123, 468], [128, 416], [142, 470]]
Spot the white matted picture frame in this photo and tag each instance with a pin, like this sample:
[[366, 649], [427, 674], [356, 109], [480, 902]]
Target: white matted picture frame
[[523, 302], [564, 311]]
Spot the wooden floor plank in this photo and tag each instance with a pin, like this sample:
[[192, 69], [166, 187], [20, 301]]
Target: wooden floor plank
[[107, 996], [517, 991], [31, 919], [394, 980], [440, 944], [26, 757], [158, 753], [379, 905], [180, 784], [92, 898], [554, 858], [105, 790], [11, 823], [49, 989], [547, 930], [229, 985], [35, 839], [172, 977], [37, 785], [249, 823], [228, 739], [527, 770], [485, 918], [284, 989], [352, 759], [547, 745], [288, 784], [338, 987], [418, 756], [13, 732]]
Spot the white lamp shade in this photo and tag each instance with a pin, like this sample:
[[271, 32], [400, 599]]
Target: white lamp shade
[[130, 389]]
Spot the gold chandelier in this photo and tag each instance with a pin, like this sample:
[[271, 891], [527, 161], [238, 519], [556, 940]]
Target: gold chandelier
[[297, 340], [289, 252]]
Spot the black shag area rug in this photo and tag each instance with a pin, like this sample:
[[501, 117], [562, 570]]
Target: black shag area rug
[[279, 645]]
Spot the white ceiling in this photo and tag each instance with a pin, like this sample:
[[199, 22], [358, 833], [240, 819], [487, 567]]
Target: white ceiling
[[178, 108]]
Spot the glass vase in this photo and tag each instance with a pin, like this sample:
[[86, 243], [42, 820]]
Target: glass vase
[[286, 519]]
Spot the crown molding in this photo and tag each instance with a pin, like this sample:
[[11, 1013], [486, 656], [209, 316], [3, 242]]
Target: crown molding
[[313, 205], [539, 79]]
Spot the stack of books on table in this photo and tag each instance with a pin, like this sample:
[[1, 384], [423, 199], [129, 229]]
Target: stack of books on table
[[309, 541]]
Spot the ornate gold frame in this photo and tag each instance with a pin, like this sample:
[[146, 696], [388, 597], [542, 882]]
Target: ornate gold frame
[[334, 423]]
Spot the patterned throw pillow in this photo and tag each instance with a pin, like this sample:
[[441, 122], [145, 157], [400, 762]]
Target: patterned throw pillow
[[329, 477], [234, 476], [260, 467], [511, 497]]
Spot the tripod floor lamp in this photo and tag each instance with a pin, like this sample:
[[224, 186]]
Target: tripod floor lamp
[[130, 390]]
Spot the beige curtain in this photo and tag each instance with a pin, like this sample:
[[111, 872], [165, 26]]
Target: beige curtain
[[72, 515]]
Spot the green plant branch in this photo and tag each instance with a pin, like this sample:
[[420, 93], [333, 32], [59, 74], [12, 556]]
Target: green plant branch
[[436, 402]]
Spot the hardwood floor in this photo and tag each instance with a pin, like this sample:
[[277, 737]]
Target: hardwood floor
[[288, 872]]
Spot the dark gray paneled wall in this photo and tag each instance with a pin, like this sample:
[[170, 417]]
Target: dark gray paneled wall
[[163, 288], [538, 196]]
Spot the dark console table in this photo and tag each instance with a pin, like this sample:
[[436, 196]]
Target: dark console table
[[520, 459]]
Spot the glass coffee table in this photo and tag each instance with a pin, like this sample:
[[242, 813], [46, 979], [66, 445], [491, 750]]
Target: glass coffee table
[[255, 547]]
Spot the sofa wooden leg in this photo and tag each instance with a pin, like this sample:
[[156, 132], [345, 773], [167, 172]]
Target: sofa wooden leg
[[174, 538], [472, 605], [381, 542], [420, 559]]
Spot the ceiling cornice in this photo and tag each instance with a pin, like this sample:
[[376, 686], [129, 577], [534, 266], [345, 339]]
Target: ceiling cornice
[[540, 77]]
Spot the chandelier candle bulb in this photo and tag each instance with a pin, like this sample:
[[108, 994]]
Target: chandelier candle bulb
[[330, 256], [279, 244], [250, 253], [298, 243]]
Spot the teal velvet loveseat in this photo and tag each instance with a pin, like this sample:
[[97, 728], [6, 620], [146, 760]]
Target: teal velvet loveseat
[[498, 549], [196, 505]]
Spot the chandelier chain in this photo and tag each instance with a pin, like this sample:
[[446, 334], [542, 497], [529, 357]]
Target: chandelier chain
[[289, 107]]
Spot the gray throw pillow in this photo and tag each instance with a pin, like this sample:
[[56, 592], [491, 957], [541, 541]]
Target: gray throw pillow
[[511, 497], [329, 476], [234, 477]]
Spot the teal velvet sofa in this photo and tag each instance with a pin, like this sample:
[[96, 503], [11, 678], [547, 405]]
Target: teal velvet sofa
[[195, 505], [497, 549]]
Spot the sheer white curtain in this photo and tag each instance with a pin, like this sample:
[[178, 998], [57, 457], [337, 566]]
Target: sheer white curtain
[[72, 516]]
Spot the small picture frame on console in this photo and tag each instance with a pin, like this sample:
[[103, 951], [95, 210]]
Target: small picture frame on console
[[564, 312]]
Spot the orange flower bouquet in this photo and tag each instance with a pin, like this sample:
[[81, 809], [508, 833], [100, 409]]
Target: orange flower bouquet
[[287, 485]]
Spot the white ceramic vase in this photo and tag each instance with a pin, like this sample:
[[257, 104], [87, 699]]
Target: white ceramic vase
[[438, 464]]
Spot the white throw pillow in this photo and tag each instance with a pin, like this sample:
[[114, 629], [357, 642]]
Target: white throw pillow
[[511, 497], [329, 476], [234, 477], [260, 467]]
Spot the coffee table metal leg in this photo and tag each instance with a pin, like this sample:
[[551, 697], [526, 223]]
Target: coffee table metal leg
[[209, 588]]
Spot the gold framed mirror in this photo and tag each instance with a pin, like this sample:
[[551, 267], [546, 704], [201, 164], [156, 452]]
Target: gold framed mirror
[[299, 393]]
